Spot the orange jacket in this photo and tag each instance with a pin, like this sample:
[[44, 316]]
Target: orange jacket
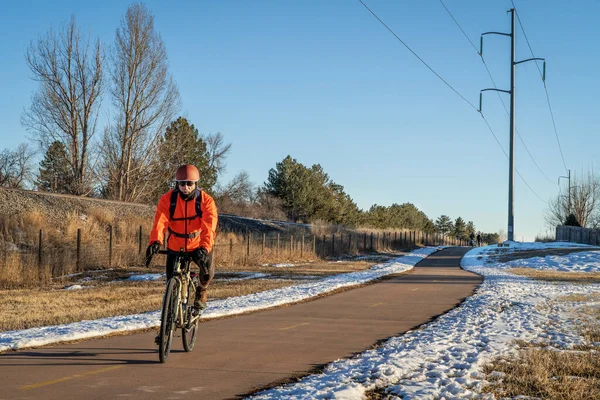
[[204, 229]]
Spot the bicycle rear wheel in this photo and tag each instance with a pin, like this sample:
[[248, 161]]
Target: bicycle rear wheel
[[190, 329], [168, 319]]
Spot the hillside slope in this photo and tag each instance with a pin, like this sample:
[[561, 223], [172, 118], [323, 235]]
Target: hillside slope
[[54, 209]]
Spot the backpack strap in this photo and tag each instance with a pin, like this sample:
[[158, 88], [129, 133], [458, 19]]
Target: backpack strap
[[174, 195]]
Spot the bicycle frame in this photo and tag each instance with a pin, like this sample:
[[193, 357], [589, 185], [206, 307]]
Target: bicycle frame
[[184, 278]]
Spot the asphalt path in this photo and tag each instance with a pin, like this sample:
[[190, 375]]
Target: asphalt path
[[235, 356]]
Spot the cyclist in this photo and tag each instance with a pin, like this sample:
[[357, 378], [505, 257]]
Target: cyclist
[[190, 216]]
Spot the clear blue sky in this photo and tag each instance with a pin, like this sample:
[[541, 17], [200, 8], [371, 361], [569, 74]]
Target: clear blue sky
[[325, 82]]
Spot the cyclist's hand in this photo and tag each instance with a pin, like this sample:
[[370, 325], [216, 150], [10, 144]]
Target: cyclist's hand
[[202, 255], [152, 249]]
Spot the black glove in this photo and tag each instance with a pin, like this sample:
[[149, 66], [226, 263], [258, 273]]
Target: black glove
[[152, 249], [202, 255]]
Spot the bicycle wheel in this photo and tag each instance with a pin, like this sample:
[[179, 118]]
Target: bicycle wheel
[[168, 318], [190, 327]]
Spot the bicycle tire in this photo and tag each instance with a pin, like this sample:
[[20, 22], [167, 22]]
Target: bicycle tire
[[168, 319], [189, 331]]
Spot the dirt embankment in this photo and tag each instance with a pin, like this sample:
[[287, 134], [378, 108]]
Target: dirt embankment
[[54, 209]]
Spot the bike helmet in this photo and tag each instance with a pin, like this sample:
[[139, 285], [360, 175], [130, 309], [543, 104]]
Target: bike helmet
[[187, 172]]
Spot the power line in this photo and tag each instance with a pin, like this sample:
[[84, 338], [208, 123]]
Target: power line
[[545, 88], [459, 27], [454, 90], [416, 55], [499, 96], [506, 154]]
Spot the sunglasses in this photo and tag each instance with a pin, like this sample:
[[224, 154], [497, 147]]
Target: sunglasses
[[186, 183]]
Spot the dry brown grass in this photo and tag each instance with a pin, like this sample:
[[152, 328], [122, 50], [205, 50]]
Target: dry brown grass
[[548, 374], [109, 295], [580, 297], [22, 309], [557, 276]]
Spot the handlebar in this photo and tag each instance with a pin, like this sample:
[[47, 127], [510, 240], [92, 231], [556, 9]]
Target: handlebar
[[181, 253]]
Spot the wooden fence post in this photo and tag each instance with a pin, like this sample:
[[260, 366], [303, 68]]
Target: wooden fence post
[[262, 249], [140, 242], [78, 257], [110, 245], [40, 248], [333, 244], [247, 244], [277, 243]]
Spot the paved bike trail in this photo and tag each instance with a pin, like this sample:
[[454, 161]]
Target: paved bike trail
[[234, 356]]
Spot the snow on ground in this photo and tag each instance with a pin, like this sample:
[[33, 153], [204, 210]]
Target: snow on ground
[[231, 306], [245, 276], [443, 359], [145, 277]]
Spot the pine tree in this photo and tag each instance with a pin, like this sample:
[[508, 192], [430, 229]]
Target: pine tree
[[470, 228], [460, 228], [444, 224], [182, 144], [55, 174], [572, 220]]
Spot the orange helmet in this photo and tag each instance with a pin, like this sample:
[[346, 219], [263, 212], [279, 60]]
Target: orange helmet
[[187, 172]]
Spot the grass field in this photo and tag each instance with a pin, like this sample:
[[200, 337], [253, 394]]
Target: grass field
[[106, 293]]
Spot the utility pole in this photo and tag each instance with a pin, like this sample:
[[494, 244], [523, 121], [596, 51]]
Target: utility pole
[[511, 158]]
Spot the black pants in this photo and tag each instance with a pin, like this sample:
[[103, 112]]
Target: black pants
[[207, 270]]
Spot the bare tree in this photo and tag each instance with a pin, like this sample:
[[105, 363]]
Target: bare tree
[[240, 189], [146, 99], [16, 170], [241, 197], [65, 108], [583, 201], [217, 151]]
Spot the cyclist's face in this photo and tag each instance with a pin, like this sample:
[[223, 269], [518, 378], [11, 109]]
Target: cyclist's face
[[186, 187]]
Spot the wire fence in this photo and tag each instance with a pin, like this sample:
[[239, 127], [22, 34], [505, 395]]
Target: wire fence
[[44, 260]]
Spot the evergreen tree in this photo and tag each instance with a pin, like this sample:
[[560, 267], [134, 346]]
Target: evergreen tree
[[470, 228], [572, 220], [297, 187], [55, 174], [444, 224], [404, 215], [182, 144], [460, 228], [307, 194]]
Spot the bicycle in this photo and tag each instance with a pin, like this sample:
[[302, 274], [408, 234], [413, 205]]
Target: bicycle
[[177, 310]]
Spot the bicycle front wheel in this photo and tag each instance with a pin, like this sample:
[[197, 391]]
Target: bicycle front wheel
[[168, 319], [190, 327]]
